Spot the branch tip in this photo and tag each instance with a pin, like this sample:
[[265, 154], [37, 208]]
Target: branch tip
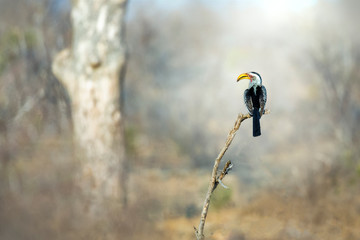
[[223, 185]]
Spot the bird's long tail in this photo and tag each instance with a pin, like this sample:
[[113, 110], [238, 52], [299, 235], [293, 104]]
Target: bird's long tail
[[256, 123]]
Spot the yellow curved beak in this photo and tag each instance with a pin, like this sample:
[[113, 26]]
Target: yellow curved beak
[[243, 76]]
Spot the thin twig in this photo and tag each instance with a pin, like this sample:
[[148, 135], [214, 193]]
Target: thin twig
[[214, 180], [228, 166]]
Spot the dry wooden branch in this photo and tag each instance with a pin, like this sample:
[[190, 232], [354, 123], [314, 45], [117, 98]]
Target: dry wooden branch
[[214, 179]]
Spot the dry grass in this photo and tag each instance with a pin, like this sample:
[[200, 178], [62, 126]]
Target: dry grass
[[333, 212], [44, 203]]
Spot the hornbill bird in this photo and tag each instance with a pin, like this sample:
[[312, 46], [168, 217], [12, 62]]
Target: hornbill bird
[[255, 99]]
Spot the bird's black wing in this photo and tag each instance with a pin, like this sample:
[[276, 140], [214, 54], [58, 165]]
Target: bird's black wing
[[262, 99], [248, 101]]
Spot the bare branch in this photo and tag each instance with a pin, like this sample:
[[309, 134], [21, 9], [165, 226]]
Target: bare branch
[[29, 105], [214, 181]]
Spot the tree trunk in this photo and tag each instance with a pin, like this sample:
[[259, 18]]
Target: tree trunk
[[92, 71]]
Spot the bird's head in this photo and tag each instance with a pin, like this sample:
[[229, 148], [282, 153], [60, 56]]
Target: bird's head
[[254, 77]]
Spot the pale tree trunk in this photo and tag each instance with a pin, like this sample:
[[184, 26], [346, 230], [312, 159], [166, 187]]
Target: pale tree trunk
[[92, 72]]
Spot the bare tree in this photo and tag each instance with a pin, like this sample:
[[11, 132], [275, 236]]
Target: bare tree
[[335, 57], [92, 71]]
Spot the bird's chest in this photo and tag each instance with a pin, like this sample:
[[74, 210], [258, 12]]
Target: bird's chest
[[255, 97]]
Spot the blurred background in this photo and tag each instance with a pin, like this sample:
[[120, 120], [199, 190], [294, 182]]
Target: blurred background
[[299, 180]]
